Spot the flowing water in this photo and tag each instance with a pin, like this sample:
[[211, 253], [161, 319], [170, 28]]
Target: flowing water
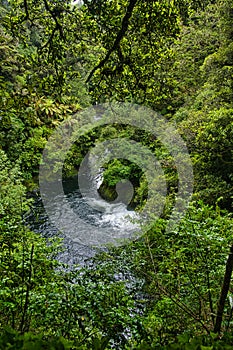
[[104, 219]]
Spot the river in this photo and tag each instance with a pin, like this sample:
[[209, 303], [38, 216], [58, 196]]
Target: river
[[104, 218]]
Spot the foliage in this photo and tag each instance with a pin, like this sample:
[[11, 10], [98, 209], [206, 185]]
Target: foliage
[[180, 281], [37, 295], [160, 291], [182, 274], [205, 119], [10, 339], [185, 342]]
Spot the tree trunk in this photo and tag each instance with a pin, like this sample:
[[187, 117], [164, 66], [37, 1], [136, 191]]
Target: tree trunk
[[224, 291]]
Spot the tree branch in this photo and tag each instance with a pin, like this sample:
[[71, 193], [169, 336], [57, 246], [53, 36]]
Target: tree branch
[[175, 300], [54, 16], [23, 325], [26, 10], [120, 35]]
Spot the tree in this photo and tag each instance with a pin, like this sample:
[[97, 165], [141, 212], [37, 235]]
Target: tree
[[205, 119]]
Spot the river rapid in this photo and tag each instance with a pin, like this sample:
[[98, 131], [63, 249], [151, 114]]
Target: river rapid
[[104, 218]]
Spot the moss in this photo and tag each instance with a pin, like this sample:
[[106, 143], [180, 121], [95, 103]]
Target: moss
[[108, 193]]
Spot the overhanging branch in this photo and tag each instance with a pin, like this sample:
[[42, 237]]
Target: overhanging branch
[[120, 35], [224, 292], [54, 16]]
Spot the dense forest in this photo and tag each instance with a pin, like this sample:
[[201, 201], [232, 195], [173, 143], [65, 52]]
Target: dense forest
[[164, 289]]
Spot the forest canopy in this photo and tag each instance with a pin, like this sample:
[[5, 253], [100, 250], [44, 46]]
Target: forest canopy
[[176, 58]]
